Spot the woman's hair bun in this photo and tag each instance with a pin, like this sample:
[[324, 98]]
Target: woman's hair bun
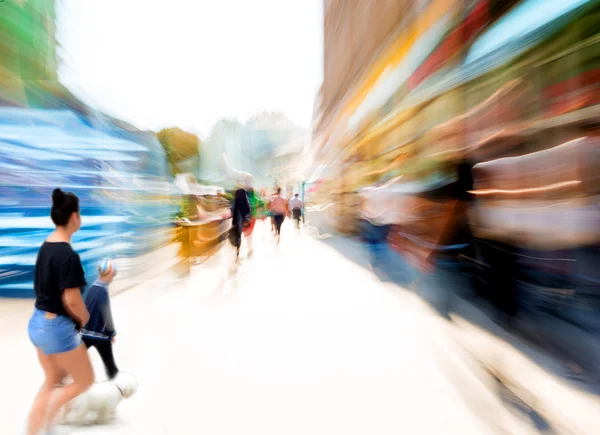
[[57, 195], [64, 204]]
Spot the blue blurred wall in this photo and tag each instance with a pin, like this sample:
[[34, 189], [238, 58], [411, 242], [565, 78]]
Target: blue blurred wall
[[120, 175]]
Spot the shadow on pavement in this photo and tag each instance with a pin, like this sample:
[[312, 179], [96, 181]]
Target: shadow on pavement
[[514, 402], [554, 345]]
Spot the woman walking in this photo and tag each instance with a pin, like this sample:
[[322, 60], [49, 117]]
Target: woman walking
[[59, 315], [279, 208], [240, 219]]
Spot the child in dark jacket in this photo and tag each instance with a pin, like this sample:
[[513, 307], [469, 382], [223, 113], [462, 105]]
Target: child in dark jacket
[[100, 332]]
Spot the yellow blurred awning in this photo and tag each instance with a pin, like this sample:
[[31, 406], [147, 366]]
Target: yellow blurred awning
[[398, 50]]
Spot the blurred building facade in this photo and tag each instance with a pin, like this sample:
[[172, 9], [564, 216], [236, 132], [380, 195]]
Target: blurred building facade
[[359, 44], [389, 89], [27, 49], [248, 146], [49, 138], [468, 125], [286, 164], [355, 32]]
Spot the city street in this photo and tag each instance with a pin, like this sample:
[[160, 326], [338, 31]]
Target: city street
[[444, 157], [301, 341]]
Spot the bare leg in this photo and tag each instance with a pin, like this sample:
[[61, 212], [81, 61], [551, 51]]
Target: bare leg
[[53, 374], [77, 363]]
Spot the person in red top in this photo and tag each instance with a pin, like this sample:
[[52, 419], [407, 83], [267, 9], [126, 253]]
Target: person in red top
[[279, 209]]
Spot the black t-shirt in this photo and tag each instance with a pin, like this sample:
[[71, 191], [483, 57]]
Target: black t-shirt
[[58, 267]]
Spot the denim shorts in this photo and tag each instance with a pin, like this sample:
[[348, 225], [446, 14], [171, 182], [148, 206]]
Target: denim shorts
[[53, 334]]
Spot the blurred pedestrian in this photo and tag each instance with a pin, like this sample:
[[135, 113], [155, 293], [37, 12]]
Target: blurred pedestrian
[[255, 209], [297, 207], [100, 331], [376, 217], [279, 208], [446, 273], [240, 218], [271, 214], [58, 316]]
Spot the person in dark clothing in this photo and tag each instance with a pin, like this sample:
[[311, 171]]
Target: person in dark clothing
[[446, 271], [240, 218], [100, 331]]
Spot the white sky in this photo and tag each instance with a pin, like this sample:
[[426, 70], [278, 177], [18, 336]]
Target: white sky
[[191, 62]]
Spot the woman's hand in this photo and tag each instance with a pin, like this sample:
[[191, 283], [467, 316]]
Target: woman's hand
[[73, 303]]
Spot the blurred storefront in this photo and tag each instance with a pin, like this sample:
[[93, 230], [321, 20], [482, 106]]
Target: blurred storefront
[[359, 41], [494, 101], [397, 110]]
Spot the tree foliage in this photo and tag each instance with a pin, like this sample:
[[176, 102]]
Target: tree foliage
[[179, 145]]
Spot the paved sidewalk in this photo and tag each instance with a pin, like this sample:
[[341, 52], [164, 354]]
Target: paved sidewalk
[[568, 409], [501, 354], [299, 341]]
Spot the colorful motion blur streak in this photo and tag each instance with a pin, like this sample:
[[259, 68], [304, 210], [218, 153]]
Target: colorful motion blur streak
[[481, 131], [119, 176], [49, 138]]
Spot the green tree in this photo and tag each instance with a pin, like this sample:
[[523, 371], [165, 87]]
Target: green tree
[[181, 148]]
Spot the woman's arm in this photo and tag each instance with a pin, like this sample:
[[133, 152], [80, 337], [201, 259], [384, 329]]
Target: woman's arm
[[73, 303]]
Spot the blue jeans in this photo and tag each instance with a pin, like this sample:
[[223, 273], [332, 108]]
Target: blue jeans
[[53, 334], [375, 237]]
